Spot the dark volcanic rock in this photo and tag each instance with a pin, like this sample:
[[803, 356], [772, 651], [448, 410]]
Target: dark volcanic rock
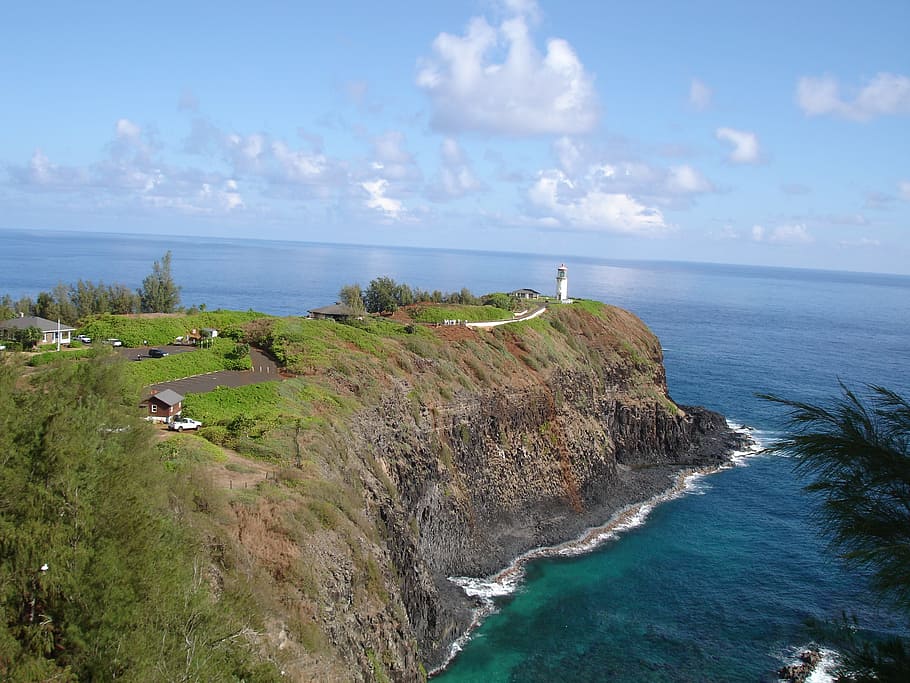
[[484, 478]]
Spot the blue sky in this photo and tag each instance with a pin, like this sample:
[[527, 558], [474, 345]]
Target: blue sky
[[770, 133]]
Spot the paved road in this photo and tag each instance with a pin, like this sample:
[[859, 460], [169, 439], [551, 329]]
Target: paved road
[[264, 370]]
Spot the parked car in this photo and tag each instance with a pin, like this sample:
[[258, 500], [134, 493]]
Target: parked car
[[113, 342], [157, 353], [181, 423], [83, 338]]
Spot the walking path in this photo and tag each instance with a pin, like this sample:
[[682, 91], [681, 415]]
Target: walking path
[[497, 323]]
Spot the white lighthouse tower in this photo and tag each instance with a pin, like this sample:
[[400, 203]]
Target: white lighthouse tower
[[562, 284]]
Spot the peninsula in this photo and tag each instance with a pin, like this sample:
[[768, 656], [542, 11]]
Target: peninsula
[[326, 506]]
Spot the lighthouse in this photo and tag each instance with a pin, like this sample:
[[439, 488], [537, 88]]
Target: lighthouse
[[562, 284]]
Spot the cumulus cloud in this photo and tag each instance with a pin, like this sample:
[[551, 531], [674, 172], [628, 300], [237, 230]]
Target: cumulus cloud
[[790, 234], [132, 175], [527, 93], [391, 158], [42, 174], [699, 95], [455, 179], [279, 167], [587, 205], [685, 180], [904, 189], [745, 145], [885, 94], [377, 199]]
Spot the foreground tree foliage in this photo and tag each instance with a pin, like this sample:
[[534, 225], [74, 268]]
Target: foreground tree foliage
[[857, 453], [102, 575]]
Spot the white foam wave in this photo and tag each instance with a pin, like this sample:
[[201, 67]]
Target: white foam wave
[[508, 580], [824, 671], [697, 484], [494, 587]]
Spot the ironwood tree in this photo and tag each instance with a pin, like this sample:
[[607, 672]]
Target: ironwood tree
[[856, 451], [159, 293]]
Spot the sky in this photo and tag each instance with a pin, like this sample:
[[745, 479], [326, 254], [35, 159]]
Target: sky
[[763, 133]]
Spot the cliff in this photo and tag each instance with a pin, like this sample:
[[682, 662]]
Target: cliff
[[423, 453]]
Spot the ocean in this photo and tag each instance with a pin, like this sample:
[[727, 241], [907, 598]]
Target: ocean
[[716, 584]]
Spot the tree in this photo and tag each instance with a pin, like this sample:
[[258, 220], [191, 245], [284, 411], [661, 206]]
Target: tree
[[159, 293], [857, 450], [352, 297], [380, 295]]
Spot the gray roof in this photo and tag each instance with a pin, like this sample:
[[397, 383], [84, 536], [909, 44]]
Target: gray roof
[[340, 310], [43, 324], [168, 397], [525, 291]]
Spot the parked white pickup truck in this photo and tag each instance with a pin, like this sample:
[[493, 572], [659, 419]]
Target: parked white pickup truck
[[181, 423]]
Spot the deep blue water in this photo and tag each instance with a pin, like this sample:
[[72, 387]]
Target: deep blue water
[[717, 584]]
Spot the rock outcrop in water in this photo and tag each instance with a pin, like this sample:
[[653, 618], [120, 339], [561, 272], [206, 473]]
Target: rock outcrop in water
[[476, 448]]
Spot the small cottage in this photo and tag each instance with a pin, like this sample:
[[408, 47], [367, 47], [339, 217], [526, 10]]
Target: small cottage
[[333, 312], [163, 406], [525, 294]]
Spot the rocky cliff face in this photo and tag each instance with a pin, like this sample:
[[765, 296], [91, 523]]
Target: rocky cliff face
[[422, 453], [461, 487]]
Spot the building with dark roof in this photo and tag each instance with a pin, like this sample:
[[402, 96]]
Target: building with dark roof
[[163, 405], [525, 294], [49, 329], [333, 312]]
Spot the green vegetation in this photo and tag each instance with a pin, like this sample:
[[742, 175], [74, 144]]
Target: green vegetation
[[384, 295], [221, 355], [159, 293], [78, 302], [856, 450], [101, 546], [63, 354], [437, 314], [182, 450], [259, 402], [590, 306], [158, 330], [26, 338]]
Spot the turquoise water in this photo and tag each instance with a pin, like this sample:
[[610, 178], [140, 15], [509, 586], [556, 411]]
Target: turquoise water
[[716, 584]]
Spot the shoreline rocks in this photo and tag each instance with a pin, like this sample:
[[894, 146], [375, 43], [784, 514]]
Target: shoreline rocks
[[799, 673]]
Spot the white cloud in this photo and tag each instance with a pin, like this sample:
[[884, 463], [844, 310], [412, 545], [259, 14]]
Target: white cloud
[[391, 159], [455, 179], [568, 154], [789, 234], [904, 189], [685, 180], [745, 145], [587, 206], [42, 174], [699, 95], [376, 189], [885, 94], [528, 93], [128, 129]]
